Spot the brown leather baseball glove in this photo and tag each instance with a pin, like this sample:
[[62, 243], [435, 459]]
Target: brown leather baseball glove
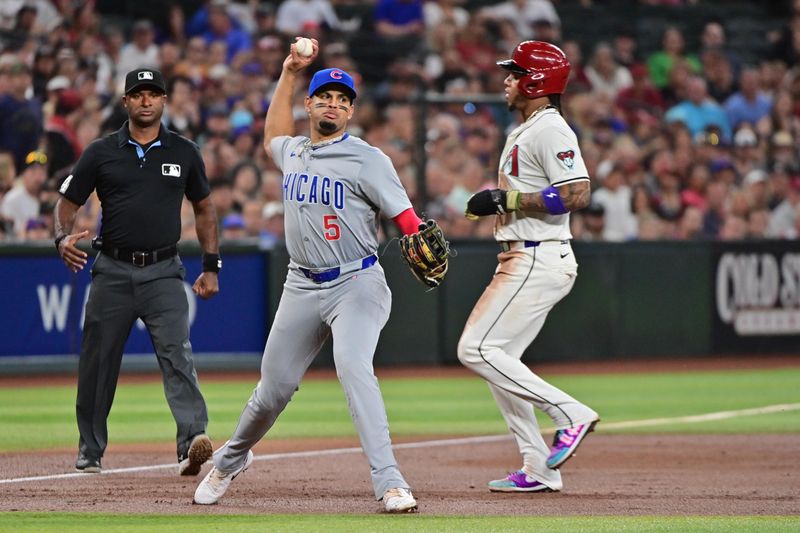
[[426, 253]]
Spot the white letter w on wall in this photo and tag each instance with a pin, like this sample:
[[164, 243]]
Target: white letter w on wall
[[54, 305]]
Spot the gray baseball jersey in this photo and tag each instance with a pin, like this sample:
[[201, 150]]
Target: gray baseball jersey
[[332, 194]]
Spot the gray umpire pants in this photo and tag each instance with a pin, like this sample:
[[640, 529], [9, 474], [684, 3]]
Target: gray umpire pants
[[354, 308], [121, 293]]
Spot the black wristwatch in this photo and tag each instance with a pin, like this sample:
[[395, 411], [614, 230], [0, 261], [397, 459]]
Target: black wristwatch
[[58, 241], [212, 263]]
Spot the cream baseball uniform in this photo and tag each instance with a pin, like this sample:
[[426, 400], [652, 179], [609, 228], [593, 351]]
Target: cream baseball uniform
[[536, 270]]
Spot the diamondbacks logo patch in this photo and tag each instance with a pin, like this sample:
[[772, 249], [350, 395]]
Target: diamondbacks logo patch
[[567, 157], [171, 169]]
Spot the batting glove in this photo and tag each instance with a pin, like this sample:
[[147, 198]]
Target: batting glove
[[492, 202]]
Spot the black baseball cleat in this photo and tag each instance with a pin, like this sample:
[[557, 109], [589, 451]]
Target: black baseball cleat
[[88, 465]]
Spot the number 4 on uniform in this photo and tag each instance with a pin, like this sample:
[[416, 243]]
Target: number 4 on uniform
[[332, 231]]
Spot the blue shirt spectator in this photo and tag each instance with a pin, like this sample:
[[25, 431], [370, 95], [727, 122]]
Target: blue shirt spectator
[[698, 111], [748, 104], [395, 18], [20, 119], [222, 28]]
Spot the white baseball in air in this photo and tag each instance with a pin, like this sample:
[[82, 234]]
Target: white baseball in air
[[304, 47]]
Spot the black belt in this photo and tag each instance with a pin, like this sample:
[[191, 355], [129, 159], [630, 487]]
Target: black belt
[[141, 258], [508, 246], [322, 276]]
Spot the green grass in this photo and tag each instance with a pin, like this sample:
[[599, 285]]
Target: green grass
[[74, 522], [35, 418]]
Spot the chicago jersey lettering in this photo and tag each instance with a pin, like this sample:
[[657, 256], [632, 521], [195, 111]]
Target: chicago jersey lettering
[[302, 188]]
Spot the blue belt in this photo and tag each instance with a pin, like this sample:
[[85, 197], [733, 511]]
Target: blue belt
[[321, 276], [507, 246]]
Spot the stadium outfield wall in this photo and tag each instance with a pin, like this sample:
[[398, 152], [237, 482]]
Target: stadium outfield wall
[[630, 301]]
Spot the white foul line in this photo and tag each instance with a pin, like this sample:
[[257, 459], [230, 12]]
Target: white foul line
[[719, 415]]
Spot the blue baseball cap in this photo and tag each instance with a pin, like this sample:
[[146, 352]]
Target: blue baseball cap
[[333, 76]]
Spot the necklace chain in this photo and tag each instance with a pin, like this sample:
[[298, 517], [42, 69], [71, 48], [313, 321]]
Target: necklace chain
[[320, 144]]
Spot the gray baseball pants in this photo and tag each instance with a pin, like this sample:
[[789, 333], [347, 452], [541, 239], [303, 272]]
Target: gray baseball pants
[[354, 308], [121, 293]]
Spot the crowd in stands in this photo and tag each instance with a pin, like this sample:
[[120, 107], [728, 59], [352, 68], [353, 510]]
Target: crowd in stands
[[680, 143]]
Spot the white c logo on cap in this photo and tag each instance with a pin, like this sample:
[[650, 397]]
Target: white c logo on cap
[[336, 74]]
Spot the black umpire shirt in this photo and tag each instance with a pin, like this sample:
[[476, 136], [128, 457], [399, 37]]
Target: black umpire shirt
[[141, 188]]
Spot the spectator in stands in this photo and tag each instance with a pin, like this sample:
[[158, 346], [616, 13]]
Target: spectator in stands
[[61, 136], [246, 179], [782, 152], [272, 225], [713, 37], [20, 116], [36, 229], [578, 80], [182, 115], [714, 217], [44, 67], [694, 194], [296, 15], [21, 203], [625, 48], [523, 13], [142, 51], [640, 96], [265, 19], [7, 172], [748, 104], [436, 12], [718, 72], [660, 63], [754, 185], [221, 28], [615, 197], [690, 225], [605, 75], [400, 26], [747, 151], [698, 111], [233, 227], [782, 117], [593, 218], [222, 197]]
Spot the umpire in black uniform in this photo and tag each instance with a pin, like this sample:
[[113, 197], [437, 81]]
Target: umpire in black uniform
[[141, 174]]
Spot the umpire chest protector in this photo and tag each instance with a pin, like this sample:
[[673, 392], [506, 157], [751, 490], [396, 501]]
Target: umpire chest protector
[[140, 187]]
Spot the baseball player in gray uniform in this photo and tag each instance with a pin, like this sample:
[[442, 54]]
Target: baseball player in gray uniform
[[334, 186], [542, 177]]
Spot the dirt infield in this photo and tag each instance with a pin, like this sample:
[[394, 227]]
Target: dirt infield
[[612, 475]]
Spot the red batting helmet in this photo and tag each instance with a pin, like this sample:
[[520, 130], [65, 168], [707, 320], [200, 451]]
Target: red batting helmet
[[544, 68]]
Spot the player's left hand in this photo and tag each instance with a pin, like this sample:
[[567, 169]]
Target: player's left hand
[[207, 285], [492, 202]]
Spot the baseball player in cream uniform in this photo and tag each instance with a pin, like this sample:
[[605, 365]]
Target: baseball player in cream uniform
[[542, 177], [334, 186]]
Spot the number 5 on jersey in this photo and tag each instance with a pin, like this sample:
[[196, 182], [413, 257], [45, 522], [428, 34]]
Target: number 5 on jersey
[[332, 230]]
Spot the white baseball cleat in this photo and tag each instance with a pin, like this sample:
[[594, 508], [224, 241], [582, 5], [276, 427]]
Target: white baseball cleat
[[399, 500], [216, 482], [199, 452]]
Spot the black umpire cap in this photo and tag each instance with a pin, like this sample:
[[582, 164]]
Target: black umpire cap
[[145, 77]]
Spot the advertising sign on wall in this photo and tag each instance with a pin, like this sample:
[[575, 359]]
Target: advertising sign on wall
[[757, 296], [42, 308]]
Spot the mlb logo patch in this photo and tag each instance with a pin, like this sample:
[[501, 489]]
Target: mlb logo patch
[[171, 169], [145, 75]]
